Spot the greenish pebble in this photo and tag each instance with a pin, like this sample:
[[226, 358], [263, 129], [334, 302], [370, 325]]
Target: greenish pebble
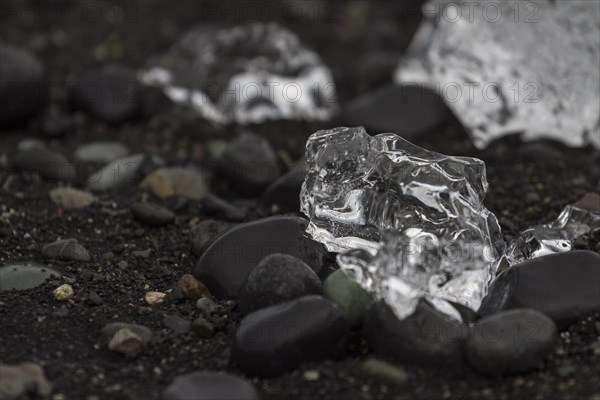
[[350, 297], [24, 275]]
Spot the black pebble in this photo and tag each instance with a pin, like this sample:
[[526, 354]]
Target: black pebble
[[511, 342], [48, 164], [276, 279], [111, 94], [249, 164], [285, 191], [54, 122], [406, 110], [208, 385], [226, 263], [24, 88], [152, 214], [426, 337], [564, 286], [277, 339], [176, 324]]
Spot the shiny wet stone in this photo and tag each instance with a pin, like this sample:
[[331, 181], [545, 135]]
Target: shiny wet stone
[[226, 263]]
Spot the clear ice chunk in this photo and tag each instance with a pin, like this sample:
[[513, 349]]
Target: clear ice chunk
[[408, 222], [503, 67], [554, 237], [245, 74]]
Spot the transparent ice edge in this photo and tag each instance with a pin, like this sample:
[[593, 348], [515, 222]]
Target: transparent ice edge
[[399, 216], [554, 237]]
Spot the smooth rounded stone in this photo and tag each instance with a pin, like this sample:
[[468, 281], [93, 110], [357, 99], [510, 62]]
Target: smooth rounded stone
[[284, 192], [126, 338], [101, 152], [249, 164], [406, 110], [277, 339], [54, 122], [202, 328], [540, 151], [176, 324], [192, 288], [152, 214], [202, 234], [69, 198], [206, 306], [117, 174], [25, 275], [226, 263], [24, 86], [111, 94], [23, 381], [207, 385], [564, 286], [277, 278], [94, 298], [48, 164], [427, 337], [350, 297], [510, 342], [176, 181], [214, 204], [175, 296], [468, 316], [66, 249]]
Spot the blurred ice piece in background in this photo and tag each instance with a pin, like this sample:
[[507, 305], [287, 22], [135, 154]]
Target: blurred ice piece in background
[[413, 221], [245, 74], [505, 67], [557, 236]]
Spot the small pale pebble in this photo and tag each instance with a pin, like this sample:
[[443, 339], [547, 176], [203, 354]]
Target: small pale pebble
[[70, 198], [154, 297], [63, 292], [311, 375]]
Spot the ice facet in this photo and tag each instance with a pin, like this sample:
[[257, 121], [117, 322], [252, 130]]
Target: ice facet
[[554, 237], [246, 74], [513, 66], [409, 222]]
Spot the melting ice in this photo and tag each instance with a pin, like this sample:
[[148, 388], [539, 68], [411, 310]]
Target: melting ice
[[513, 66], [556, 236], [246, 74], [409, 223]]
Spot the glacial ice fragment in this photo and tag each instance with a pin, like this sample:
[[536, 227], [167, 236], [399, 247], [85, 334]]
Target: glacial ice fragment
[[556, 236], [409, 223], [505, 67], [245, 74]]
